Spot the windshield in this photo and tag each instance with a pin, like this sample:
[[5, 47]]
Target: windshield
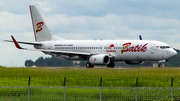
[[164, 47]]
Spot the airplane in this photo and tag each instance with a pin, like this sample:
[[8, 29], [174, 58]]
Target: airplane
[[96, 52]]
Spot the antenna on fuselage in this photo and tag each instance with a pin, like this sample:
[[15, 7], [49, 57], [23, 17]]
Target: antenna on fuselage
[[140, 38]]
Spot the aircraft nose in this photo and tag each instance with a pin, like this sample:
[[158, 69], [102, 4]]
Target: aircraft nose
[[172, 53]]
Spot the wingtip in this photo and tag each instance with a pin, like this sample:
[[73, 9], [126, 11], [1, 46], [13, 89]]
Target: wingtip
[[15, 43]]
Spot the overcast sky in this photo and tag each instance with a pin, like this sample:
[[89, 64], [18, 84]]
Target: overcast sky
[[87, 19]]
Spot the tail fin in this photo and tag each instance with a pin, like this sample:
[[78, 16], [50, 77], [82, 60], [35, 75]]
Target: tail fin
[[41, 30]]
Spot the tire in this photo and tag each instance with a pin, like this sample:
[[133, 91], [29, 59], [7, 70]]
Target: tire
[[160, 65], [111, 65], [88, 65]]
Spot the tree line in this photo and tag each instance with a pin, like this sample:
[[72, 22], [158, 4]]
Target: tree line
[[53, 62], [57, 62]]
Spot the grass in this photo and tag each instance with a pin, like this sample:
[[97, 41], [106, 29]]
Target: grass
[[87, 94], [53, 77], [147, 77]]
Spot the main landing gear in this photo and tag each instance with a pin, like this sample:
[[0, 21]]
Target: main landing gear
[[111, 65], [88, 65]]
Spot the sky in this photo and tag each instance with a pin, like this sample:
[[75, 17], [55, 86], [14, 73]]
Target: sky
[[85, 20]]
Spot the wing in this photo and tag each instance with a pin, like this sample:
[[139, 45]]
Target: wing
[[66, 52], [15, 42]]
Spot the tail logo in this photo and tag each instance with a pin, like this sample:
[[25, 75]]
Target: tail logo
[[39, 26]]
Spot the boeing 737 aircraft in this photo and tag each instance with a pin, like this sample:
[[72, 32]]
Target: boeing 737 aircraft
[[96, 52]]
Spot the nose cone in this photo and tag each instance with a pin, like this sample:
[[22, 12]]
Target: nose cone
[[172, 53]]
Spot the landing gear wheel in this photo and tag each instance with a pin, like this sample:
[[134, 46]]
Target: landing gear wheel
[[160, 65], [111, 65], [88, 65]]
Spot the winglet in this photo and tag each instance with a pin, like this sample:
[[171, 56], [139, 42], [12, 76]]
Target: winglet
[[15, 43], [140, 38]]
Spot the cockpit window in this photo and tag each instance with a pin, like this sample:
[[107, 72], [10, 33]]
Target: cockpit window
[[164, 47]]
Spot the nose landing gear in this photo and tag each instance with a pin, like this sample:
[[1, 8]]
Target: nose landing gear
[[160, 65]]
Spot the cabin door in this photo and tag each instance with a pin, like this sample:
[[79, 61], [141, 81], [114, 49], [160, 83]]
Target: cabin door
[[152, 48]]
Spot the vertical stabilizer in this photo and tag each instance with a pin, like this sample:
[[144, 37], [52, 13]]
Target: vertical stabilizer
[[41, 30]]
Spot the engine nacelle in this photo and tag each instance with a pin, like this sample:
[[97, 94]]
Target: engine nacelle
[[101, 59], [134, 62]]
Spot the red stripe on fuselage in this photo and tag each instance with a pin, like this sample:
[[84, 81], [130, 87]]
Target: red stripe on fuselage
[[33, 24], [110, 50]]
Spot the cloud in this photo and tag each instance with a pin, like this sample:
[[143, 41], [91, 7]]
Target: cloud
[[13, 22], [117, 24], [94, 19], [43, 5]]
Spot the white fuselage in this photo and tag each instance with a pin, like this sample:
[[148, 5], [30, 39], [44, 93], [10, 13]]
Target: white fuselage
[[133, 50]]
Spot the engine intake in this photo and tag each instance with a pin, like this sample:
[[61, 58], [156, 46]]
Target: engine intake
[[101, 59]]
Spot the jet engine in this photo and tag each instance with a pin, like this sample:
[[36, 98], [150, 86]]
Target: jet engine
[[101, 59], [134, 62]]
